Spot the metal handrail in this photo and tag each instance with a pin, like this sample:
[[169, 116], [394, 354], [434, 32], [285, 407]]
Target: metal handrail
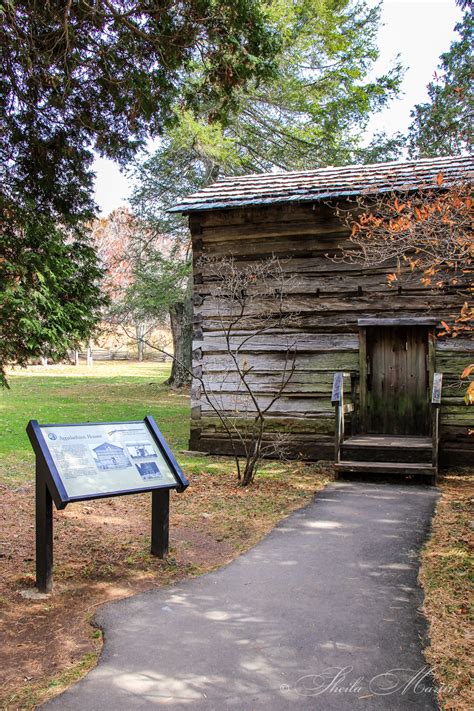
[[337, 400], [436, 394]]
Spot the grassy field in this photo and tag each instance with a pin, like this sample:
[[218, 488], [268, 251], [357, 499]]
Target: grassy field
[[107, 391]]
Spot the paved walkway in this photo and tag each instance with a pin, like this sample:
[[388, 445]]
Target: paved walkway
[[322, 614]]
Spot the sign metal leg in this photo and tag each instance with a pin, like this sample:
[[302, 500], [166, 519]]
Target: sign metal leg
[[160, 521], [44, 535]]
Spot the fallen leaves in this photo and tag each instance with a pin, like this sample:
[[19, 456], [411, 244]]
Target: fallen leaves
[[446, 563]]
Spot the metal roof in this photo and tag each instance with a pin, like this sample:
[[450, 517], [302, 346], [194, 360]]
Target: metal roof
[[326, 183]]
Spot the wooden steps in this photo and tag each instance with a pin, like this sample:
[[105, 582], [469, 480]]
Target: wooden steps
[[389, 441], [386, 468], [387, 454], [387, 448]]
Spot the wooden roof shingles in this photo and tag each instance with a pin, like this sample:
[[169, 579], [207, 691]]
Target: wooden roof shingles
[[327, 183]]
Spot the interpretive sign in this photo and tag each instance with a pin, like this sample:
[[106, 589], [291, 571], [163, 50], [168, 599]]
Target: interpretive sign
[[76, 462]]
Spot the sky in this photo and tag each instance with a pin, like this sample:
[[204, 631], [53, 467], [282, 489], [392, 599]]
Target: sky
[[418, 30]]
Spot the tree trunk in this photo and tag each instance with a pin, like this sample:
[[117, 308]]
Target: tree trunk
[[140, 331], [181, 318]]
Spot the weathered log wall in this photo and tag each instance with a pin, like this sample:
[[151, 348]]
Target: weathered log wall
[[329, 298]]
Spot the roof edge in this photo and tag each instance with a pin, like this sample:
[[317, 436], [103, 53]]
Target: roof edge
[[331, 182]]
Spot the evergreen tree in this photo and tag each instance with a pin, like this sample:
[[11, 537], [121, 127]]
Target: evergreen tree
[[50, 299], [79, 76], [312, 112], [444, 124]]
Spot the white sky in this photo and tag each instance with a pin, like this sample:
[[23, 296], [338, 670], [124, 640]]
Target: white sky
[[418, 30]]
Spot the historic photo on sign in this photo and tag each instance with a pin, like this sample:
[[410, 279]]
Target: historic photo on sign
[[139, 450], [149, 470]]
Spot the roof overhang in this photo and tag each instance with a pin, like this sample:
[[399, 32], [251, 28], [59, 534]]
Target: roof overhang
[[328, 183]]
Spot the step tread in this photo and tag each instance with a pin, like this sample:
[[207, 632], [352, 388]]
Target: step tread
[[388, 441], [386, 467]]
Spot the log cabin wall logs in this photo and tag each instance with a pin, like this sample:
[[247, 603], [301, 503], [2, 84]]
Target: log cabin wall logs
[[331, 298]]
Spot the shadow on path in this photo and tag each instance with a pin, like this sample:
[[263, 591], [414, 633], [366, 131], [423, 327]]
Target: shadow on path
[[321, 614]]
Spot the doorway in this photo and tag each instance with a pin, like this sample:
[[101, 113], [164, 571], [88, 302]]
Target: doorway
[[396, 380]]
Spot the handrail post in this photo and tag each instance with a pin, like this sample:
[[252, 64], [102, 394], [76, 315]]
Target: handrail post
[[354, 418], [337, 399], [435, 408]]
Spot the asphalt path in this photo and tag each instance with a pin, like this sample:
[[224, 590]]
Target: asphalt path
[[324, 613]]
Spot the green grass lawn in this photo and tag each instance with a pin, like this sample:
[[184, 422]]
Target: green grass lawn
[[106, 392]]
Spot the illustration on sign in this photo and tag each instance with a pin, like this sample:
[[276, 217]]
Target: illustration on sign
[[109, 456]]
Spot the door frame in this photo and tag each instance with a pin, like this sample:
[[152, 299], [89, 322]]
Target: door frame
[[363, 323]]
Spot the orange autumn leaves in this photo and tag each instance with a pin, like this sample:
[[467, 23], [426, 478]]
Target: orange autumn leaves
[[427, 232], [469, 394], [423, 235]]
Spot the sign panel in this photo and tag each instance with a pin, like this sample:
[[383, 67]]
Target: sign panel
[[105, 458], [97, 459]]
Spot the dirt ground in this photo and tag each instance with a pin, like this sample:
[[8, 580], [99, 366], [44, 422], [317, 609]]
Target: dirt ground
[[101, 553]]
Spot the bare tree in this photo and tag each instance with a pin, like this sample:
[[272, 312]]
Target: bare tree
[[137, 308], [248, 302]]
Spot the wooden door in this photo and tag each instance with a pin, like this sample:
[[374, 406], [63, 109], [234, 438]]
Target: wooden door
[[397, 380]]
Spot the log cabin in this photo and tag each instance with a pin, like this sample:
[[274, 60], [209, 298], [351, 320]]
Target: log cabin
[[374, 386]]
